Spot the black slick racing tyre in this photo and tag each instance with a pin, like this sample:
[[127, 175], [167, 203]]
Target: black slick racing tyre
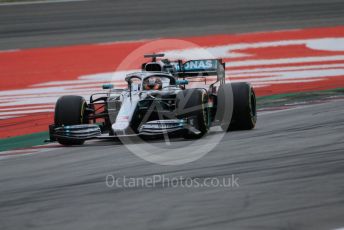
[[244, 112], [70, 110], [191, 104]]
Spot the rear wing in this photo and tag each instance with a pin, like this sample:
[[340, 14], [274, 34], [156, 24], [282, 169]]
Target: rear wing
[[201, 68]]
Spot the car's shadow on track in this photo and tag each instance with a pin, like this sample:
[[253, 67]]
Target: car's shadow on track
[[142, 140], [169, 142]]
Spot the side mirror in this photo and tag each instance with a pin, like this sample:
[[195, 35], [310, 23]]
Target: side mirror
[[182, 82], [108, 86]]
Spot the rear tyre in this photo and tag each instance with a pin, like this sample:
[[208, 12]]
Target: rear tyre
[[191, 104], [244, 115], [70, 110]]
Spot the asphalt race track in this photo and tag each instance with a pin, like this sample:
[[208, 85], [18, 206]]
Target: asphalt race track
[[290, 171], [290, 168], [103, 21]]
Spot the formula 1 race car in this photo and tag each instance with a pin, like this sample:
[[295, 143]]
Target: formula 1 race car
[[157, 102]]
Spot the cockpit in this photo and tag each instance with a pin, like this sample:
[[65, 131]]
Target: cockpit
[[150, 82]]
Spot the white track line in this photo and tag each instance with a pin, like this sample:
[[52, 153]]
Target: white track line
[[288, 68], [37, 2], [11, 50], [27, 112], [278, 61]]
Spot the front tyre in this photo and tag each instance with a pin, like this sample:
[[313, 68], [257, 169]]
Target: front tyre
[[191, 104], [70, 110]]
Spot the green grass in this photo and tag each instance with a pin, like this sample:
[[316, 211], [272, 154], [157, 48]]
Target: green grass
[[283, 99], [24, 141]]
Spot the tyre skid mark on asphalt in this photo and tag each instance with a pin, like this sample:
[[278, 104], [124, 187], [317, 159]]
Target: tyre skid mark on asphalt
[[29, 151]]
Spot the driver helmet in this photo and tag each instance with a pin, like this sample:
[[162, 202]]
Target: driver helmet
[[152, 83]]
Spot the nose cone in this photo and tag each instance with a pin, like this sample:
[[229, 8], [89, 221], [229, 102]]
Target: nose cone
[[120, 126]]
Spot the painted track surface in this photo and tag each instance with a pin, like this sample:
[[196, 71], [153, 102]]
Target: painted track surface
[[290, 171], [33, 71], [290, 167], [273, 62], [103, 21]]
